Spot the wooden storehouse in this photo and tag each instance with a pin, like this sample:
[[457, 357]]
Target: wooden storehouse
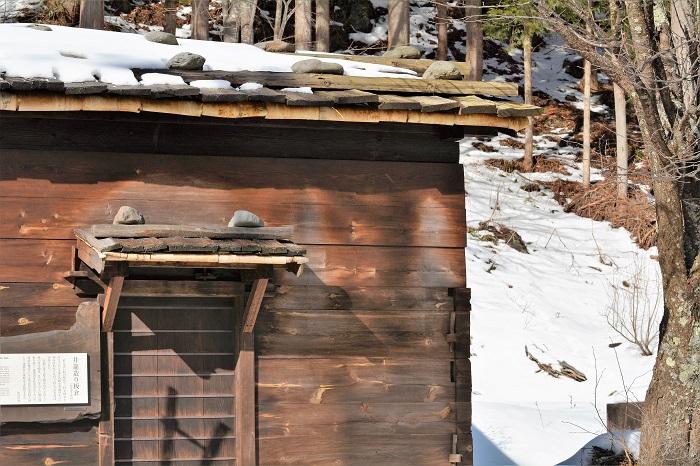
[[338, 333]]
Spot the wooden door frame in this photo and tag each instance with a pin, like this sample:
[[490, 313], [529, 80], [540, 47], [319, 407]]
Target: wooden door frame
[[245, 382]]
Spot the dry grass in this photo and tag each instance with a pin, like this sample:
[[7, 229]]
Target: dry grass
[[635, 213], [150, 13], [541, 165]]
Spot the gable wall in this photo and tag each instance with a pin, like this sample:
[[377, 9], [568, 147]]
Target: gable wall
[[353, 362]]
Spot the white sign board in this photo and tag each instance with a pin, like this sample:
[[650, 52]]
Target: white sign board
[[44, 379]]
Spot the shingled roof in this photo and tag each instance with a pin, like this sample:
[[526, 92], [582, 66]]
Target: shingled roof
[[161, 245], [371, 89]]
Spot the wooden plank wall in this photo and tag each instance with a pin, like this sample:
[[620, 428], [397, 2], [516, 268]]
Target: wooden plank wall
[[353, 362]]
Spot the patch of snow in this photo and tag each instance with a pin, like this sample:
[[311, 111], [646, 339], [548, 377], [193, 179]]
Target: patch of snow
[[300, 90], [211, 84], [250, 86], [149, 79], [110, 56]]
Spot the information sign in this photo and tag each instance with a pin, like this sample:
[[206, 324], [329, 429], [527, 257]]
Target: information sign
[[44, 379]]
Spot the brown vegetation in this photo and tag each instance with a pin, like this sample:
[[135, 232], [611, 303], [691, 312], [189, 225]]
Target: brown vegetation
[[636, 213]]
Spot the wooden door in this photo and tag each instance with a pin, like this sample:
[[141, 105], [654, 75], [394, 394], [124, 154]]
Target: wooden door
[[174, 380]]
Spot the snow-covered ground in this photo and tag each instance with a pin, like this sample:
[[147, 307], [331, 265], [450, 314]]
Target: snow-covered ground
[[552, 300]]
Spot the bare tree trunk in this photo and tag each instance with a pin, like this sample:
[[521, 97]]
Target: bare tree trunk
[[621, 143], [92, 14], [302, 25], [231, 18], [280, 10], [248, 8], [528, 161], [323, 26], [586, 124], [442, 29], [170, 18], [643, 68], [475, 41], [200, 20], [399, 23]]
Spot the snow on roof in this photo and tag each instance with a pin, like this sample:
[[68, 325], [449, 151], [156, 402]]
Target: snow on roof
[[82, 55]]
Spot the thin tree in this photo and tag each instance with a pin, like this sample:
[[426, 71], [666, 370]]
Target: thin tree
[[621, 140], [170, 7], [652, 51], [441, 19], [528, 159], [586, 124], [92, 14], [231, 14], [200, 19], [283, 13], [475, 41], [247, 18], [399, 23], [323, 26], [302, 25], [515, 22]]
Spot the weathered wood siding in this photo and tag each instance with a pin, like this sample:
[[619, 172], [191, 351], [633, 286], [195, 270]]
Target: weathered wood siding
[[353, 362]]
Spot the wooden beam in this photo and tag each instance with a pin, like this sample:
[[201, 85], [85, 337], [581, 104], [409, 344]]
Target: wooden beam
[[245, 401], [327, 82], [516, 109], [106, 428], [92, 14], [205, 260], [114, 290], [234, 110], [252, 306], [396, 102], [173, 231], [417, 65], [90, 257]]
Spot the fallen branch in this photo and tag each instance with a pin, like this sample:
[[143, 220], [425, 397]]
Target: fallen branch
[[567, 370]]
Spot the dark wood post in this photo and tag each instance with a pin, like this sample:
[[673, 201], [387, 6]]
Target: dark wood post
[[441, 20], [475, 41], [200, 19], [302, 25], [399, 23], [323, 17], [170, 18], [92, 14]]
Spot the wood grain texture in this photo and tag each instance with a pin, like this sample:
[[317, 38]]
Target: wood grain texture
[[376, 334], [414, 142], [123, 176], [342, 447], [343, 298], [314, 420], [25, 320], [354, 380], [324, 81], [252, 305], [82, 337], [46, 261], [59, 294], [437, 224], [73, 443], [112, 295]]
